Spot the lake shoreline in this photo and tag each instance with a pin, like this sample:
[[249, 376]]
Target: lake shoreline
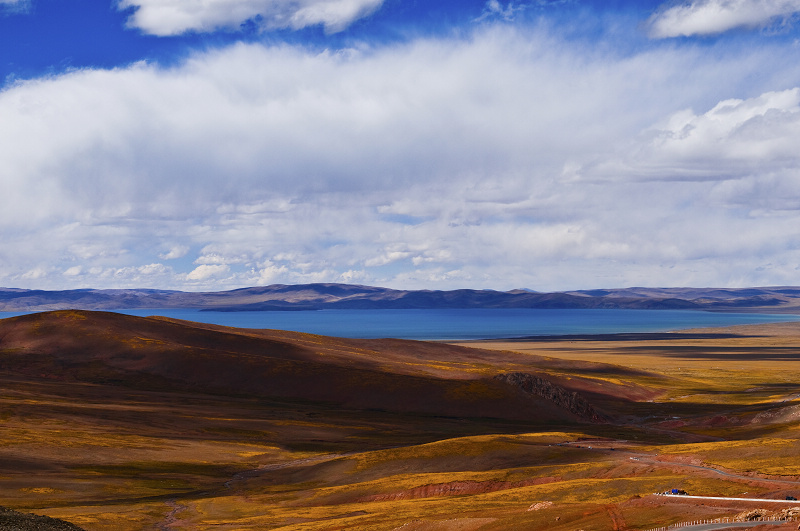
[[471, 324]]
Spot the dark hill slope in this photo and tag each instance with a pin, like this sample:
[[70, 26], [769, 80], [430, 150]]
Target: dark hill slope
[[153, 353]]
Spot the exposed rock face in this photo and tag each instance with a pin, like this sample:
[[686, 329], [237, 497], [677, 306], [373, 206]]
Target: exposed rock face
[[793, 512], [541, 505], [756, 514], [569, 400], [15, 521], [776, 415]]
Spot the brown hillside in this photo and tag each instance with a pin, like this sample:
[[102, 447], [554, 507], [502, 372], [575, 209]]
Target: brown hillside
[[153, 353]]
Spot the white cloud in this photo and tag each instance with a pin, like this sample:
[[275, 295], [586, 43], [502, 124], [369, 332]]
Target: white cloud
[[176, 251], [15, 7], [504, 159], [204, 272], [210, 257], [152, 269], [73, 271], [734, 139], [147, 275], [173, 17], [35, 274], [15, 4], [386, 258], [269, 273], [704, 17], [494, 9], [354, 277]]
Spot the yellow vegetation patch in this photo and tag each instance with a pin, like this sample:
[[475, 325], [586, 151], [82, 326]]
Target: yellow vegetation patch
[[39, 490], [767, 455]]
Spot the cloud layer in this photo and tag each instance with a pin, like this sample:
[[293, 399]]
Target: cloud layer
[[174, 17], [507, 158], [705, 17]]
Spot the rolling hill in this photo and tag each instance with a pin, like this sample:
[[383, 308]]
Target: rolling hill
[[391, 375]]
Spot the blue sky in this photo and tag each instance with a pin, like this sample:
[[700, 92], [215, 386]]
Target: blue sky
[[412, 144]]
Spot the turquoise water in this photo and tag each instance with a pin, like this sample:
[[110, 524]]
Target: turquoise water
[[465, 324]]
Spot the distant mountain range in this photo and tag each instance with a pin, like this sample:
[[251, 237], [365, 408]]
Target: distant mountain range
[[283, 297]]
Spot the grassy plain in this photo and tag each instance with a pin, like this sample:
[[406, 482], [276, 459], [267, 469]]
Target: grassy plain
[[131, 439]]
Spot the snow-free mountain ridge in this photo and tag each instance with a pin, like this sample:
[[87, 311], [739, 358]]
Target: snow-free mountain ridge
[[782, 299]]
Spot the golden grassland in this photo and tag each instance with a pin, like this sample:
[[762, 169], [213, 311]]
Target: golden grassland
[[710, 414], [760, 365]]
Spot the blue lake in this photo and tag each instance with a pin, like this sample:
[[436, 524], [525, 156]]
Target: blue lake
[[466, 324]]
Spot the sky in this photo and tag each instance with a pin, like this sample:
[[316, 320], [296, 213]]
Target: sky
[[415, 144]]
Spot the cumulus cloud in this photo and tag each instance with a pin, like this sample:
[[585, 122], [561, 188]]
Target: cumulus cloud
[[177, 251], [73, 271], [704, 17], [749, 135], [34, 274], [734, 139], [204, 272], [174, 17], [507, 158]]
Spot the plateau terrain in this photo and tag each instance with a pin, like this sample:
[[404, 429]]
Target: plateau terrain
[[117, 422]]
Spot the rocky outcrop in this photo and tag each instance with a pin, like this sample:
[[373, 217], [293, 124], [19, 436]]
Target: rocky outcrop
[[563, 398], [541, 505], [779, 414], [753, 515]]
